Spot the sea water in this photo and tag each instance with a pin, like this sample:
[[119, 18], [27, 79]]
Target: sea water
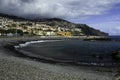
[[75, 51]]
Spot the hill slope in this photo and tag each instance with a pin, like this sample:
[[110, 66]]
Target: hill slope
[[86, 30]]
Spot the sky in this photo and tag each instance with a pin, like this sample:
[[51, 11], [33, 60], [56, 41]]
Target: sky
[[99, 14]]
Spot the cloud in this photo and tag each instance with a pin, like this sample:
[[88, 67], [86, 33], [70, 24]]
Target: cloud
[[56, 8]]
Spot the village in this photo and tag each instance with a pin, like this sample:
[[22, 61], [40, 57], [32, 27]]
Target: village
[[10, 27]]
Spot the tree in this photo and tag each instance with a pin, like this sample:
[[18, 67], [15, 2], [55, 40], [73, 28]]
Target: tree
[[14, 25], [20, 32], [1, 31], [13, 31]]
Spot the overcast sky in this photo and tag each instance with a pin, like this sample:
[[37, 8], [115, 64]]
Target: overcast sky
[[100, 14]]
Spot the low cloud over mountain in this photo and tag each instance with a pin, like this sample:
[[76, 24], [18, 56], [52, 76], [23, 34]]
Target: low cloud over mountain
[[56, 8]]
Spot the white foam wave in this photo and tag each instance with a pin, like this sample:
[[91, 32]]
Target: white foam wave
[[32, 42]]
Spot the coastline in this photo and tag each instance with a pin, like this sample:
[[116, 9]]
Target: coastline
[[52, 71], [16, 48]]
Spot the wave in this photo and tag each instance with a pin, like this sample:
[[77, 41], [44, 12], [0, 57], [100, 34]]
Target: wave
[[32, 42]]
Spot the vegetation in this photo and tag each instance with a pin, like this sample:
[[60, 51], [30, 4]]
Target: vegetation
[[13, 31], [45, 27]]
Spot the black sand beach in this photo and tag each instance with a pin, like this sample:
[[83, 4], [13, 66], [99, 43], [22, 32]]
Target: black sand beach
[[13, 67]]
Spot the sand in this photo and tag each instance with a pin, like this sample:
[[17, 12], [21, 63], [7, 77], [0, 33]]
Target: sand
[[13, 67]]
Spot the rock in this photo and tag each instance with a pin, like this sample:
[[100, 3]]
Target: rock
[[116, 55]]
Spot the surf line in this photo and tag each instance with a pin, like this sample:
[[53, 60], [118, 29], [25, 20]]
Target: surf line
[[32, 42]]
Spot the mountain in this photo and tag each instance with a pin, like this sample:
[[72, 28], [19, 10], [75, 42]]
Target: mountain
[[85, 29]]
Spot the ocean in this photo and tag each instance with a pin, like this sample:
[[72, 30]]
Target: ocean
[[79, 52]]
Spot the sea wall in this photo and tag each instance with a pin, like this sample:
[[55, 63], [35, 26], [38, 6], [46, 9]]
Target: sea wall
[[50, 37]]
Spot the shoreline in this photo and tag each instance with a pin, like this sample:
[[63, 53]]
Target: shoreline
[[23, 53], [84, 70], [106, 38], [22, 43]]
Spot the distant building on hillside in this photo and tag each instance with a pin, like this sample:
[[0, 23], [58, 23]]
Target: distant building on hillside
[[50, 33], [1, 26], [40, 33]]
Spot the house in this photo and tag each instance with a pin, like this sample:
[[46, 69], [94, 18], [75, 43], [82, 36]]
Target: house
[[39, 33], [0, 34], [78, 29], [64, 34], [1, 26], [50, 33]]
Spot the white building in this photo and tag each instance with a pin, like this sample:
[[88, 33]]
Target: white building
[[50, 33], [78, 29], [40, 33], [1, 26]]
